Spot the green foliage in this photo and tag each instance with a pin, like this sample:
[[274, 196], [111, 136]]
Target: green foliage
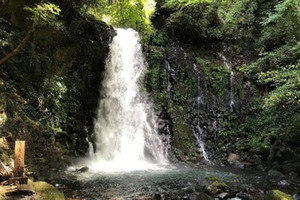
[[232, 19], [124, 13], [237, 17], [282, 26], [52, 105], [278, 65], [195, 21], [278, 195], [183, 139], [46, 14], [178, 4], [155, 80], [5, 34], [185, 88], [267, 124], [286, 82], [216, 76]]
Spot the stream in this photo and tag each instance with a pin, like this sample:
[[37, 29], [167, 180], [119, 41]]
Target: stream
[[178, 181]]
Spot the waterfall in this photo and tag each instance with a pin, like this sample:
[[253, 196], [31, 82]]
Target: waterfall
[[126, 127], [197, 130], [232, 79], [91, 148], [170, 75]]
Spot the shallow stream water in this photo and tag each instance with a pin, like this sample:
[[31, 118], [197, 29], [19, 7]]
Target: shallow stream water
[[181, 181]]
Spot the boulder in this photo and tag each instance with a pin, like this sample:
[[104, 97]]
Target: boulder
[[278, 195], [83, 169], [275, 174], [203, 196], [219, 188], [283, 183], [234, 160]]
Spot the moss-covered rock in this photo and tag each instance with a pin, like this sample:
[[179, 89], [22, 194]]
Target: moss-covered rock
[[278, 195], [218, 187], [183, 139], [46, 191]]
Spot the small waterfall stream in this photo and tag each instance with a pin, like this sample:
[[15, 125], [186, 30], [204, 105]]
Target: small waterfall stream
[[197, 130], [232, 80], [126, 126], [91, 148], [170, 74]]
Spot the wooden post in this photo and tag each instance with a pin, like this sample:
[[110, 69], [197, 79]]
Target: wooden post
[[19, 158]]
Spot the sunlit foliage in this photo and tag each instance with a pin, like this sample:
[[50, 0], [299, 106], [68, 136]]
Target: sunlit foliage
[[124, 13], [46, 14]]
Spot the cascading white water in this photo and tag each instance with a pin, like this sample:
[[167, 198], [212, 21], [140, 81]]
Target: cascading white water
[[91, 148], [232, 79], [198, 132], [126, 126]]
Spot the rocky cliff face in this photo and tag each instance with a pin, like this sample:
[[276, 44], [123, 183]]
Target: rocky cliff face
[[200, 93]]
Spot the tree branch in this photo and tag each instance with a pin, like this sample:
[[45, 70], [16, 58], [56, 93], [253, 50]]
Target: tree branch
[[23, 42]]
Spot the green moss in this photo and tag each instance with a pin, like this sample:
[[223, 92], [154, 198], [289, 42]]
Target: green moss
[[216, 77], [212, 178], [219, 187], [278, 195], [183, 139], [46, 191]]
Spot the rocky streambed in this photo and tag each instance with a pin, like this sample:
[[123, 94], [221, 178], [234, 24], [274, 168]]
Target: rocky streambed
[[181, 181]]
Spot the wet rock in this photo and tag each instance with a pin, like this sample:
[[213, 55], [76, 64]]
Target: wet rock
[[189, 189], [212, 178], [217, 188], [245, 196], [283, 183], [203, 196], [223, 195], [83, 169], [275, 174], [158, 197], [233, 159], [296, 197], [278, 195], [292, 167]]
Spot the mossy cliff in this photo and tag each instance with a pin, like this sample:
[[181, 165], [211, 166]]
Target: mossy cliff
[[223, 75], [50, 89]]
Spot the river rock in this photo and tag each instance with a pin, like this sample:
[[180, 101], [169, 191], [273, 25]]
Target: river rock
[[158, 197], [275, 174], [217, 188], [296, 197], [278, 195], [203, 196], [223, 195], [83, 169], [234, 160], [243, 196], [283, 183]]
